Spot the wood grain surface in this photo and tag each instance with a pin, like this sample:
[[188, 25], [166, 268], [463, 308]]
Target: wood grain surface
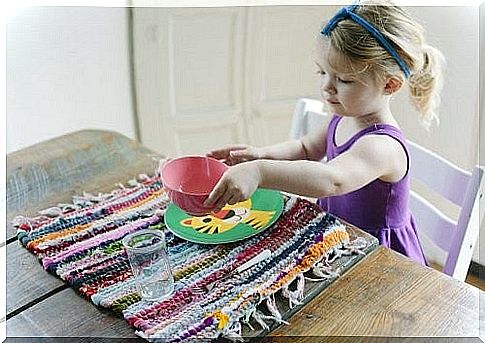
[[27, 281], [66, 314], [389, 295]]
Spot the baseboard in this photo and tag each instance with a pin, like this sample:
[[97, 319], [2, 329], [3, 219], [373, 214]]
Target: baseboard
[[477, 270]]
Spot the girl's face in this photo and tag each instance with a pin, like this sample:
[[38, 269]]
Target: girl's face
[[346, 92]]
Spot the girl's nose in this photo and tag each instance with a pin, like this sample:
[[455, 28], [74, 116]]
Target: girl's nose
[[328, 87]]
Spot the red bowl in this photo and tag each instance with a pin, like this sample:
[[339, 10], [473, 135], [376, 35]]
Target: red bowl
[[189, 180]]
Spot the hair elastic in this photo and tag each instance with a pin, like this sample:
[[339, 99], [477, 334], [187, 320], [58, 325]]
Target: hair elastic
[[347, 12]]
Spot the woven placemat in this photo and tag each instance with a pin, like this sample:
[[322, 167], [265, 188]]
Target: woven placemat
[[81, 244]]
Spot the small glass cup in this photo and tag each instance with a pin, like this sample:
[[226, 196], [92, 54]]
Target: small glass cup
[[149, 262]]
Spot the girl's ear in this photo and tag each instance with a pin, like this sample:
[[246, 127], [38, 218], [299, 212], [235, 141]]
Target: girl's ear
[[393, 84]]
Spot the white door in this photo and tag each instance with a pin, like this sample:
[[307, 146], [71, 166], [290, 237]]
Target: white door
[[209, 77], [188, 79], [281, 42]]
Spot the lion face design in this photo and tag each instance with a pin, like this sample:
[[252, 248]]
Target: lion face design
[[228, 217]]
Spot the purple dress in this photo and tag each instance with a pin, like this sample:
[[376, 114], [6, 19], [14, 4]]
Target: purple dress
[[379, 208]]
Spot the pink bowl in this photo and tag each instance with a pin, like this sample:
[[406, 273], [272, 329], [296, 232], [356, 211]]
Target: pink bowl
[[189, 180]]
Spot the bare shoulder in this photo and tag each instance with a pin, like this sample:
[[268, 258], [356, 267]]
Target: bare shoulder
[[315, 142], [382, 145], [386, 152]]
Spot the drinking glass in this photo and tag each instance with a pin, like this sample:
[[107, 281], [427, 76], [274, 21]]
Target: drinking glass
[[146, 252]]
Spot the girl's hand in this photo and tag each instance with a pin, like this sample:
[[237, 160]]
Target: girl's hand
[[235, 154], [237, 184]]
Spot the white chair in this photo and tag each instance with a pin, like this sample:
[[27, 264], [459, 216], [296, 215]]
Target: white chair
[[308, 114], [465, 189]]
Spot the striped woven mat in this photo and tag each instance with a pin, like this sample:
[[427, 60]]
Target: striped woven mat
[[81, 244]]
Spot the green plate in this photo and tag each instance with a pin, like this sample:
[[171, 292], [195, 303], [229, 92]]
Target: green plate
[[232, 223]]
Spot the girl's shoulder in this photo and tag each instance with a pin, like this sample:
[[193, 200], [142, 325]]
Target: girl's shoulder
[[387, 148], [383, 138]]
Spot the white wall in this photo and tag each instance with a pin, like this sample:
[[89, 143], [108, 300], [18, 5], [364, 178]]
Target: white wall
[[67, 69]]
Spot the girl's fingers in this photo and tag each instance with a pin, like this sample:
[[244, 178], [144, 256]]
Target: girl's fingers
[[217, 154], [240, 156], [233, 200], [215, 195], [231, 161], [223, 200], [225, 152], [238, 153]]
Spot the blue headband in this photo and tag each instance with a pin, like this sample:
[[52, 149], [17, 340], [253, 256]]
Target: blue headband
[[348, 12]]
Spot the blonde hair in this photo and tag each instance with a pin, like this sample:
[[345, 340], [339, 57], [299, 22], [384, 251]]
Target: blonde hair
[[425, 62]]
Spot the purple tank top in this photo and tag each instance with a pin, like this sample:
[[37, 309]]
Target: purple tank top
[[379, 208]]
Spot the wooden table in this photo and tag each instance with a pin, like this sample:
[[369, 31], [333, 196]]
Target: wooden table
[[385, 294]]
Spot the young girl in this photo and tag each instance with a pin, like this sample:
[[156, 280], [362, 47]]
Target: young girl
[[366, 53]]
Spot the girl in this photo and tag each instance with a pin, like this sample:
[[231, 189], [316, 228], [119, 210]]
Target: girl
[[365, 54]]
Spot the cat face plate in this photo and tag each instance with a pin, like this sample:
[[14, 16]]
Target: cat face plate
[[232, 223]]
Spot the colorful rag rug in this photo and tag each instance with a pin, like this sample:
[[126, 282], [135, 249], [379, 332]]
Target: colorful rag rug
[[81, 244]]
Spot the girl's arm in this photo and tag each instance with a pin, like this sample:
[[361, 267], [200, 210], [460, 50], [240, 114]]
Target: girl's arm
[[311, 147], [370, 158]]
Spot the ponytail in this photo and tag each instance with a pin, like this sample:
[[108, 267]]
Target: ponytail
[[425, 85]]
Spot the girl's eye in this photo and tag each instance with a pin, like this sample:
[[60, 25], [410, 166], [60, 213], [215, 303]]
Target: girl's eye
[[320, 72], [344, 81]]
